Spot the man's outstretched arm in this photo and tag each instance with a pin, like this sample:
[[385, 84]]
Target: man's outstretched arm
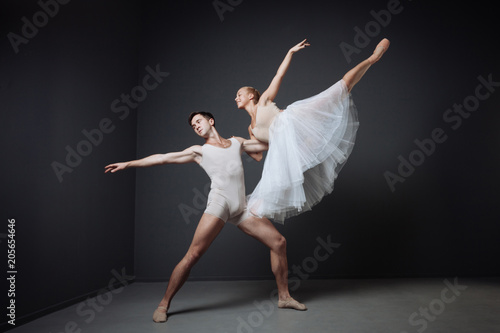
[[191, 154]]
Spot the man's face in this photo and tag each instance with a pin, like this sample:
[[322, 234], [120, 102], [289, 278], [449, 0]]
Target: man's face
[[201, 125]]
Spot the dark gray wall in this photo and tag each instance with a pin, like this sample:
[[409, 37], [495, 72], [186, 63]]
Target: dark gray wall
[[71, 231], [440, 221]]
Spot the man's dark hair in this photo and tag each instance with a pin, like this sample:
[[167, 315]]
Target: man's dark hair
[[207, 116]]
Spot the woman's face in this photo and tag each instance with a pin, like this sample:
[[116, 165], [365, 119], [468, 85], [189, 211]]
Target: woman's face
[[243, 97]]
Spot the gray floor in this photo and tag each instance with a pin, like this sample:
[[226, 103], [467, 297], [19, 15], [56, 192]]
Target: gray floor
[[357, 305]]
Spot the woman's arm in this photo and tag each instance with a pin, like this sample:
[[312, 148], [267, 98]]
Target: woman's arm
[[255, 156], [272, 90], [191, 154]]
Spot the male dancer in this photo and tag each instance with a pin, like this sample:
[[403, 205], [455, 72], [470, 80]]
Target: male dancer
[[221, 159]]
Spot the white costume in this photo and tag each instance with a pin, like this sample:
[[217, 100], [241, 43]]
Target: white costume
[[309, 142], [226, 199]]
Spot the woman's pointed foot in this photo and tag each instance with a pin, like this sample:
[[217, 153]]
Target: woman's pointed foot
[[290, 303], [379, 51], [160, 314]]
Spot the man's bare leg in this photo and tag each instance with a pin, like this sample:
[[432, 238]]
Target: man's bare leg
[[208, 229], [354, 75], [265, 232]]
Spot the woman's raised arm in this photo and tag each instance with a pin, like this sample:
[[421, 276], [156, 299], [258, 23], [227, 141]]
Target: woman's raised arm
[[273, 88]]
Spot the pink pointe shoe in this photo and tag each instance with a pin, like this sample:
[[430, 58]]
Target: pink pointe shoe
[[379, 51], [290, 303], [160, 315]]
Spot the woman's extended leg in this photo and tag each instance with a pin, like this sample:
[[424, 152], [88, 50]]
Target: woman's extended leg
[[354, 75]]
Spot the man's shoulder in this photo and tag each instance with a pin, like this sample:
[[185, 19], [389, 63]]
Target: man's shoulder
[[237, 138], [195, 149]]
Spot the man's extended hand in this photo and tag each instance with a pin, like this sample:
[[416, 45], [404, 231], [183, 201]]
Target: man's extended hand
[[115, 167]]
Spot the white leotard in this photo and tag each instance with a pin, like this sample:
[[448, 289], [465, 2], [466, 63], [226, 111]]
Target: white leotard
[[226, 199], [264, 119]]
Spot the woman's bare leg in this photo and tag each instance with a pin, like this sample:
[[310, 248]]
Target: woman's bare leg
[[354, 75]]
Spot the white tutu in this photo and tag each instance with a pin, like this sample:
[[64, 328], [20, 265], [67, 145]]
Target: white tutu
[[309, 142]]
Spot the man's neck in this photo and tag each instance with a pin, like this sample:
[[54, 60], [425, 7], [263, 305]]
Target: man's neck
[[215, 139]]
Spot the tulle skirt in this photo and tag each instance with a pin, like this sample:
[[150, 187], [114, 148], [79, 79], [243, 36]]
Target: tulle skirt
[[309, 142]]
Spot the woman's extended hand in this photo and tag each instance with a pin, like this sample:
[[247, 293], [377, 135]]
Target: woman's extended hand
[[300, 46]]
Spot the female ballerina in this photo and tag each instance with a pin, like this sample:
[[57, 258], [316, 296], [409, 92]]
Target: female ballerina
[[309, 141]]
